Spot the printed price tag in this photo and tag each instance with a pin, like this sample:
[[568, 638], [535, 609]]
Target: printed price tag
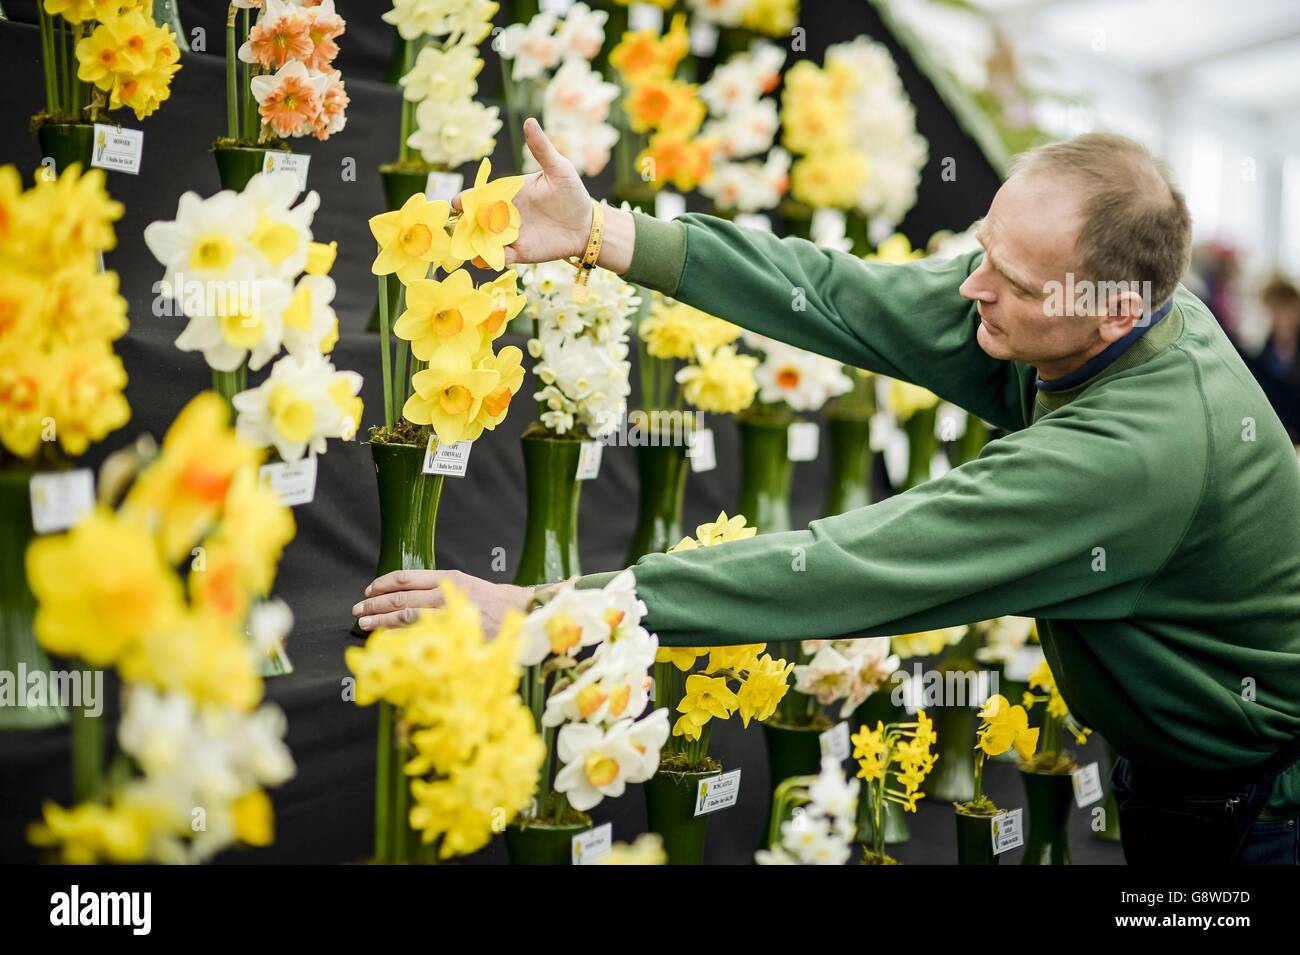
[[835, 742], [704, 38], [60, 499], [645, 16], [1007, 831], [717, 792], [753, 220], [589, 460], [117, 150], [295, 163], [669, 204], [704, 457], [293, 481], [1087, 785], [802, 438], [443, 185], [448, 459], [1022, 663], [591, 846]]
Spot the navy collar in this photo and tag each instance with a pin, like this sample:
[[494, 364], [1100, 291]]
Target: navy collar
[[1100, 361]]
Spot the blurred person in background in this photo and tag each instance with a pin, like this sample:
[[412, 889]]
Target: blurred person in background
[[1277, 366]]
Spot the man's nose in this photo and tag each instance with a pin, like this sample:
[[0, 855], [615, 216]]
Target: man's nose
[[975, 289]]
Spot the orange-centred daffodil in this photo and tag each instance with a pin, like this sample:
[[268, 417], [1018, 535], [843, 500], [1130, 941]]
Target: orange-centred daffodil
[[411, 238], [508, 364], [444, 313], [489, 220], [507, 302], [449, 394]]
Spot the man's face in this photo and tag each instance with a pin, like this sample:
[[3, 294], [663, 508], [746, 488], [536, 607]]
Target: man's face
[[1029, 241]]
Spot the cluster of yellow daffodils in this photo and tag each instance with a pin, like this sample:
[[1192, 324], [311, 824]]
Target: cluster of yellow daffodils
[[687, 355], [738, 679], [1003, 726], [894, 753], [163, 589], [1053, 756], [126, 56], [59, 314], [461, 386], [927, 642], [817, 126], [474, 755], [670, 111], [673, 329]]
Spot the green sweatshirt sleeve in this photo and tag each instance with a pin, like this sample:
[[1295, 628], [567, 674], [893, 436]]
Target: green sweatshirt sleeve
[[905, 321], [1033, 527]]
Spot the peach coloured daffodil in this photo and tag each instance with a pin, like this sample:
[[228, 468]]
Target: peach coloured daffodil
[[489, 220]]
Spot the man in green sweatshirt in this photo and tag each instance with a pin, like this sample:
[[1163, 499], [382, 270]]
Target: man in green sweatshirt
[[1144, 505]]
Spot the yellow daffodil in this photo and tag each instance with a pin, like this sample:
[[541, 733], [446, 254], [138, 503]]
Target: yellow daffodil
[[709, 695], [681, 657], [92, 832], [507, 302], [722, 382], [489, 220], [443, 314], [254, 818], [449, 394], [508, 364], [320, 257], [906, 399], [896, 249], [411, 239], [765, 685], [1005, 726], [871, 752], [99, 587], [202, 655], [737, 658], [724, 530]]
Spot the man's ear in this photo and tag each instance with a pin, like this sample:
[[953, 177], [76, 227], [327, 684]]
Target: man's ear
[[1125, 311]]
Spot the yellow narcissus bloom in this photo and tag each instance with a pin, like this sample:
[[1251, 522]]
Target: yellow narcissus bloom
[[906, 399], [254, 530], [320, 257], [507, 302], [489, 220], [766, 684], [411, 239], [201, 655], [681, 657], [449, 394], [76, 214], [253, 818], [509, 366], [91, 832], [896, 249], [722, 382], [674, 329], [80, 306], [99, 587], [642, 55], [24, 385], [86, 400], [443, 314], [829, 178], [1005, 726], [737, 658], [871, 752], [708, 694], [671, 157], [647, 850], [665, 103], [724, 530], [181, 494]]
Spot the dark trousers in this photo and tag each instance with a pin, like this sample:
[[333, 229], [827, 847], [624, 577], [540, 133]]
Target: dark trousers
[[1169, 822]]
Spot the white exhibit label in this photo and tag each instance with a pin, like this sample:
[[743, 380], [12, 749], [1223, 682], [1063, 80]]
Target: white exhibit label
[[443, 185], [294, 482], [1087, 785], [802, 439], [117, 149], [447, 459], [835, 742], [295, 163], [1007, 831], [704, 456], [717, 792], [589, 460], [61, 498], [591, 846]]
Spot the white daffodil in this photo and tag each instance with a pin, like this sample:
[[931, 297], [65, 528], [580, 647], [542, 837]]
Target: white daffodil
[[571, 620], [444, 75], [801, 379], [207, 241], [470, 20], [532, 48], [456, 132], [745, 131], [614, 686], [310, 323], [293, 410], [582, 32], [648, 736], [281, 231], [826, 676], [240, 317], [269, 624], [257, 744], [1003, 637], [598, 762], [624, 608], [415, 18]]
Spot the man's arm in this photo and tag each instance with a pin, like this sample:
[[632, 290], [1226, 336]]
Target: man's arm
[[904, 321], [1013, 532]]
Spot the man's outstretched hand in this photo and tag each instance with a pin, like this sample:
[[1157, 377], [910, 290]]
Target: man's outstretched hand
[[555, 212], [395, 599]]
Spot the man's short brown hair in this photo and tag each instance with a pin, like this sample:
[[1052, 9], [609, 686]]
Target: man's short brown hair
[[1136, 227]]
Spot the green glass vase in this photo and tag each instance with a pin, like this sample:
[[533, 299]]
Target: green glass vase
[[670, 811], [19, 650], [543, 843], [1048, 797], [850, 484], [550, 551], [66, 143], [974, 839], [399, 185], [166, 14], [765, 475], [238, 164], [792, 750], [662, 471]]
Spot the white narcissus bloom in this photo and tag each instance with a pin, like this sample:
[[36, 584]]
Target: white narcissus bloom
[[873, 664], [571, 620], [726, 13], [452, 133], [745, 131], [444, 75], [600, 762], [615, 684], [269, 624], [207, 241], [258, 748], [310, 323], [238, 318], [533, 48], [415, 18], [627, 608], [801, 379], [822, 831], [582, 32], [577, 94], [281, 231], [1003, 636], [825, 676], [293, 410], [470, 20]]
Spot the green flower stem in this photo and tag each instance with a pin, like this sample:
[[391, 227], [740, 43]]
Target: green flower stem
[[404, 151], [56, 36], [230, 383], [979, 775], [401, 798], [401, 378], [47, 59], [385, 353], [251, 121], [74, 84], [87, 734], [232, 81]]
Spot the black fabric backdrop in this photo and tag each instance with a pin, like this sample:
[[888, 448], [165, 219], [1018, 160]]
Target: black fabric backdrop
[[324, 814]]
